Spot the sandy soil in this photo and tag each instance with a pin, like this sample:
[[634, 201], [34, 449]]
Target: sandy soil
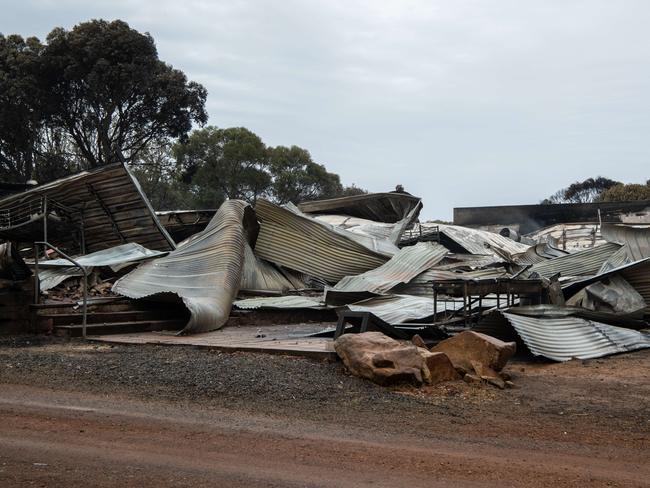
[[77, 414]]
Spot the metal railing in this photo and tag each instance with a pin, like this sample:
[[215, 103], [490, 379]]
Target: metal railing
[[37, 283]]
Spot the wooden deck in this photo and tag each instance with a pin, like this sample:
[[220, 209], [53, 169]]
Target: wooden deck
[[273, 339]]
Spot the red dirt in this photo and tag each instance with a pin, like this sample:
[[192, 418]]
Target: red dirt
[[575, 424]]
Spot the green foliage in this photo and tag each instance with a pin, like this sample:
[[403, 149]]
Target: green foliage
[[94, 95], [216, 164], [109, 91], [296, 178], [156, 172], [585, 191], [223, 163], [20, 121], [626, 193]]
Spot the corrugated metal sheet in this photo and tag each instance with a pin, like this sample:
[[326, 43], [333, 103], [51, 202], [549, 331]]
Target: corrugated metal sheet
[[285, 302], [570, 237], [421, 284], [582, 263], [258, 274], [476, 241], [565, 338], [378, 207], [296, 241], [538, 254], [637, 239], [401, 268], [635, 242], [54, 271], [114, 209], [396, 309], [115, 256], [614, 295], [378, 230], [205, 270], [638, 275]]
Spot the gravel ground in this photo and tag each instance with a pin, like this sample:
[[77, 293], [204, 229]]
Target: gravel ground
[[603, 394], [256, 382], [185, 416]]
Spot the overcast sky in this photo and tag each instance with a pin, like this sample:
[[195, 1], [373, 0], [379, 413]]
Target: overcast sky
[[465, 103]]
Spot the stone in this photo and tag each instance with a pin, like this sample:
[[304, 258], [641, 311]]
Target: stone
[[385, 361], [471, 379], [438, 368], [495, 381], [418, 341], [468, 347], [484, 371]]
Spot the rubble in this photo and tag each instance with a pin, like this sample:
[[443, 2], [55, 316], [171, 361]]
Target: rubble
[[475, 352], [366, 255]]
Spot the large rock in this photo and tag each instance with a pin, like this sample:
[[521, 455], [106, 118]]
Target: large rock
[[439, 367], [467, 349], [386, 361]]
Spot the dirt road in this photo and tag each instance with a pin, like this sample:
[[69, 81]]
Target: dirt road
[[548, 432]]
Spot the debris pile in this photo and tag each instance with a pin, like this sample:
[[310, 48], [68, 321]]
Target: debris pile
[[367, 257]]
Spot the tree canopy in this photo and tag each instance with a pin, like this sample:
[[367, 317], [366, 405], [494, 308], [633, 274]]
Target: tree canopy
[[585, 191], [93, 95], [600, 189], [98, 94], [626, 193], [216, 164], [20, 117]]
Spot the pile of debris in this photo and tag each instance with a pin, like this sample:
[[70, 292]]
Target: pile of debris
[[367, 257]]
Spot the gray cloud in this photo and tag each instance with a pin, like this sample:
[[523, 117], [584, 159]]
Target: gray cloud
[[464, 103]]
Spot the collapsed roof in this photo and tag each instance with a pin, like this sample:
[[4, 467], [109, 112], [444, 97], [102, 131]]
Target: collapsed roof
[[94, 210], [379, 207], [365, 253]]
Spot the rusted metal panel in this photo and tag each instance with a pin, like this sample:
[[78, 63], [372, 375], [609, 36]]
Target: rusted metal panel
[[106, 204]]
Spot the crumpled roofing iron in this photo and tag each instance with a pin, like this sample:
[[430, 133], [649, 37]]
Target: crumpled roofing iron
[[564, 338], [408, 263], [476, 241], [582, 263], [205, 270], [55, 271], [379, 207], [296, 241]]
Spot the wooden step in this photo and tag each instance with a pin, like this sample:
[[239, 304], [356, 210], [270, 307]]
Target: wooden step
[[119, 327], [59, 319]]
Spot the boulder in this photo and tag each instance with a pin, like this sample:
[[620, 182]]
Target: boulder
[[385, 361], [438, 367], [418, 341], [469, 348]]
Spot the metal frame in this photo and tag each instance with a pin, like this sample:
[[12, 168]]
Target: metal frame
[[37, 284], [511, 288]]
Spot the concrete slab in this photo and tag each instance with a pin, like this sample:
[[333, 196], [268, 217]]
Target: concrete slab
[[274, 339]]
